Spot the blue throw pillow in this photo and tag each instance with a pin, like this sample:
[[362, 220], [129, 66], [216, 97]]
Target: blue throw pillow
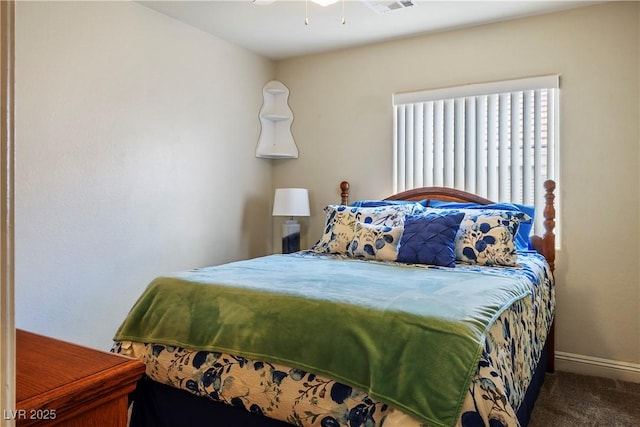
[[430, 239], [522, 236], [376, 203]]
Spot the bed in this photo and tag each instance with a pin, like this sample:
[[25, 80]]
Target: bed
[[378, 324]]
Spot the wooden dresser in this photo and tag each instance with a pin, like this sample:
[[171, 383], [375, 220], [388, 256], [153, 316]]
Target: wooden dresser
[[58, 383]]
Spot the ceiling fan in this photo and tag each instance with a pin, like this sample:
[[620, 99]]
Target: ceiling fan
[[322, 3], [380, 6]]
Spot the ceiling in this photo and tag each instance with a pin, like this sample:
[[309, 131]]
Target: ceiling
[[277, 29]]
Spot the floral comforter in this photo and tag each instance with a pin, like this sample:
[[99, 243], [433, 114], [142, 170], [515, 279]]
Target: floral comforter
[[512, 348]]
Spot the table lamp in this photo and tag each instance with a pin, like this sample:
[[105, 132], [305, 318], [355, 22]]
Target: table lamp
[[291, 202]]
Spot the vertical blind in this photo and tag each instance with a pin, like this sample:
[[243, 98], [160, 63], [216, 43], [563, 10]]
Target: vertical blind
[[498, 140]]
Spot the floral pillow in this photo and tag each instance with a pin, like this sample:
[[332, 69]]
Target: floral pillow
[[487, 237], [341, 221], [522, 237], [375, 242]]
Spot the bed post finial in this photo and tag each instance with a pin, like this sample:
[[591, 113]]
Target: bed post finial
[[549, 238], [344, 187]]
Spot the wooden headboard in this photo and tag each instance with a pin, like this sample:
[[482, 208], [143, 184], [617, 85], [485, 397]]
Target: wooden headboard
[[545, 244]]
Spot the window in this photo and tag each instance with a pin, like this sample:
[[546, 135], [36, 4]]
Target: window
[[498, 140]]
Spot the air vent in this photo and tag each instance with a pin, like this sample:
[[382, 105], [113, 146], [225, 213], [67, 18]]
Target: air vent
[[384, 6]]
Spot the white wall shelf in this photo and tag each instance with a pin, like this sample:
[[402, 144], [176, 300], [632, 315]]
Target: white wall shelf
[[276, 140]]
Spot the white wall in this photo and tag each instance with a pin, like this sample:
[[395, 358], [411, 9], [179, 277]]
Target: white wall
[[135, 139], [343, 127]]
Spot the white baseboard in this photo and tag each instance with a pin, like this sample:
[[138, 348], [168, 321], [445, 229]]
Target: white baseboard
[[598, 367]]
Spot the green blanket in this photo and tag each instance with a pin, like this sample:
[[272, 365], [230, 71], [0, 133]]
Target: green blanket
[[410, 337]]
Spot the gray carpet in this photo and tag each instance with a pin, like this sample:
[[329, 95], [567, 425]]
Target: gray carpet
[[568, 400]]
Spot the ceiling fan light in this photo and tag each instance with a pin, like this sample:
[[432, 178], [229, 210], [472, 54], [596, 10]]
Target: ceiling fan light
[[324, 2]]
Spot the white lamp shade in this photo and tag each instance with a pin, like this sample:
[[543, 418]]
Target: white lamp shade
[[291, 202]]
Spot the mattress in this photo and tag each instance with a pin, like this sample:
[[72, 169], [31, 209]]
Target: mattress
[[510, 350]]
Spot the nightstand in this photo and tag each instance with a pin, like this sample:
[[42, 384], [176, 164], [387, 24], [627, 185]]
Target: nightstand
[[59, 383]]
